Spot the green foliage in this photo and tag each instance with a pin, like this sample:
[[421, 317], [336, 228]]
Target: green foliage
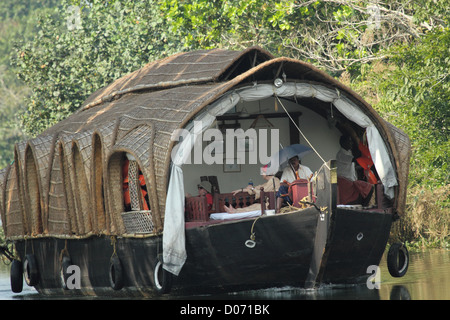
[[428, 220], [11, 94], [81, 48], [333, 35], [431, 12], [413, 93], [232, 24], [18, 20]]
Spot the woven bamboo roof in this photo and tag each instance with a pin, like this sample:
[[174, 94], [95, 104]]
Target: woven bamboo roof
[[138, 114]]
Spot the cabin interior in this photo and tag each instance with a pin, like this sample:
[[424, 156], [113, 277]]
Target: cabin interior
[[321, 126], [321, 132]]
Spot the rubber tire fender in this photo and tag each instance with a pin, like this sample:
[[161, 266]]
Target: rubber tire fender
[[162, 278], [16, 276], [116, 273], [30, 270], [65, 263], [398, 260]]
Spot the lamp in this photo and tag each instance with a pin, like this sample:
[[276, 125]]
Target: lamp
[[244, 113], [261, 122], [278, 82]]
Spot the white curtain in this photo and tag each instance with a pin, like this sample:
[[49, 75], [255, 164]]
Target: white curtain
[[174, 251]]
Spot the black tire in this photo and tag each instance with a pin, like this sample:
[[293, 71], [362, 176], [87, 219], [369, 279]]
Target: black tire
[[116, 273], [65, 263], [16, 276], [30, 270], [162, 278], [398, 260]]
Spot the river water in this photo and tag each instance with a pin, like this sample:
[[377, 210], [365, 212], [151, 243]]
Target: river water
[[428, 278]]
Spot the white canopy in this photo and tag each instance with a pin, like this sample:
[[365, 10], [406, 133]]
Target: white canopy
[[174, 251]]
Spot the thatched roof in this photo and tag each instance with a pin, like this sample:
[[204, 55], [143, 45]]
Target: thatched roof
[[138, 114]]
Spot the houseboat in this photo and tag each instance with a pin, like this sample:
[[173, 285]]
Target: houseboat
[[106, 202]]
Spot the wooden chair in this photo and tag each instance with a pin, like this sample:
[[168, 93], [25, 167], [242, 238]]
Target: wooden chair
[[269, 197], [298, 190], [240, 200], [196, 209], [243, 199]]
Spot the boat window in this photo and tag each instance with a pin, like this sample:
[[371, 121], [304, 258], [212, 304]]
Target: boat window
[[135, 193]]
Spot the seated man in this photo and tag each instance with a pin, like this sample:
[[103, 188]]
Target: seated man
[[350, 190], [291, 173]]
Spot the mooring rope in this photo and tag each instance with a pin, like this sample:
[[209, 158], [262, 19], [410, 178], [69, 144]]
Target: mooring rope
[[251, 242], [113, 243]]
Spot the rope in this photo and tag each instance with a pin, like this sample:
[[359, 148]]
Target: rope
[[252, 236], [304, 137], [64, 251], [251, 242], [113, 243]]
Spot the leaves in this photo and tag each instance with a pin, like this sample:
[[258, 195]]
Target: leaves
[[230, 24], [414, 94], [65, 64]]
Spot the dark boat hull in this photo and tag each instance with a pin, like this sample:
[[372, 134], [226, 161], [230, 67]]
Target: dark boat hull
[[218, 259], [281, 256], [357, 240]]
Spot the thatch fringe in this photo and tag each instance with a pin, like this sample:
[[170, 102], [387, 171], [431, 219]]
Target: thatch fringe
[[58, 217], [4, 173], [14, 225]]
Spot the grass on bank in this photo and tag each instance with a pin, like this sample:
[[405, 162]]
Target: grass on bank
[[426, 223]]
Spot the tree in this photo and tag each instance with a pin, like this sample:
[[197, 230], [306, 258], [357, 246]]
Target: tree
[[11, 98], [411, 89], [230, 24], [80, 48], [17, 21], [336, 35]]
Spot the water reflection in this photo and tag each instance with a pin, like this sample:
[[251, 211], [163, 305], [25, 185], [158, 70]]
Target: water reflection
[[428, 278], [399, 293], [5, 286], [328, 292]]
